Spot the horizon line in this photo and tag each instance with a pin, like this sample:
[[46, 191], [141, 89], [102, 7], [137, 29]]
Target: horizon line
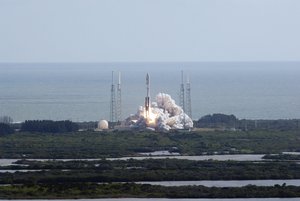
[[97, 62]]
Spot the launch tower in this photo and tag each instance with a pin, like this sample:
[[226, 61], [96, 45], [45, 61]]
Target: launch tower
[[188, 98], [113, 112], [181, 95], [119, 99], [185, 100]]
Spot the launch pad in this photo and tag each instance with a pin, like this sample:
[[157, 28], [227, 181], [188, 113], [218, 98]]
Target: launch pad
[[163, 114]]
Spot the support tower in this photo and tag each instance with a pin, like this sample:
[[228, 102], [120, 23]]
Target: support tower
[[188, 98], [112, 100], [181, 95], [119, 100]]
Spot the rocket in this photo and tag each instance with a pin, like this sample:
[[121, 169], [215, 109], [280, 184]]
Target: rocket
[[147, 98]]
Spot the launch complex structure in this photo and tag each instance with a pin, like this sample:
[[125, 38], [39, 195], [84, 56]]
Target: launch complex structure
[[185, 99], [116, 99], [147, 98]]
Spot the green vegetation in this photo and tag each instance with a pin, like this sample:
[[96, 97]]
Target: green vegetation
[[49, 126], [217, 121], [79, 179], [89, 190], [5, 129], [223, 121], [282, 157], [147, 170], [90, 144], [6, 119]]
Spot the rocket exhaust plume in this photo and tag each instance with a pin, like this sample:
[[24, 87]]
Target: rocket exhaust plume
[[161, 115]]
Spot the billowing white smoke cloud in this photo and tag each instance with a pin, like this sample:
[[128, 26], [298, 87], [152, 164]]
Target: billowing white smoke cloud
[[164, 115]]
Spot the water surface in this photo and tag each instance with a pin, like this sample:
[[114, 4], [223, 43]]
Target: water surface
[[233, 157], [236, 157], [81, 91], [232, 183], [165, 199]]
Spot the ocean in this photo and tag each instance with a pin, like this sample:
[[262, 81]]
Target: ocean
[[81, 91]]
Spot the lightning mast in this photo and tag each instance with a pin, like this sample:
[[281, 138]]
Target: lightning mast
[[119, 99], [181, 95], [188, 98], [182, 99], [112, 100]]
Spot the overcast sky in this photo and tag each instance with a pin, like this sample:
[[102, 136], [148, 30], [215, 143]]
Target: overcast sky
[[149, 30]]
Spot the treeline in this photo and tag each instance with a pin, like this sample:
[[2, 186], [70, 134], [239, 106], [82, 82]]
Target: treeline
[[49, 126], [6, 125], [131, 190], [6, 119], [5, 129], [282, 157], [217, 121], [42, 126], [89, 144], [231, 122], [147, 170]]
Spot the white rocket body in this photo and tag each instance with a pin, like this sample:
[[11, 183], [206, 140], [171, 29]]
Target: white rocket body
[[163, 114], [147, 98]]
